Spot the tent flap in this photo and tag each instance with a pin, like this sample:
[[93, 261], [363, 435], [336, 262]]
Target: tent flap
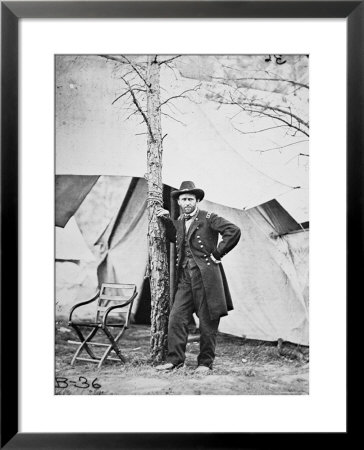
[[71, 190]]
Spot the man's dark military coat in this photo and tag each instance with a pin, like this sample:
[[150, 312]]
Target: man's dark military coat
[[202, 238]]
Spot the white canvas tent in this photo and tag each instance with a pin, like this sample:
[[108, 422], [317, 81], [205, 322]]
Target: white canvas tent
[[70, 244], [267, 272], [74, 262]]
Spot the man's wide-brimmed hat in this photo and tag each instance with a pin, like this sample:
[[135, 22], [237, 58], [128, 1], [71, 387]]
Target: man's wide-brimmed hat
[[186, 187]]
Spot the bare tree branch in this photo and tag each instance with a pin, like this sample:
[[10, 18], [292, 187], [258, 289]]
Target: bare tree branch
[[294, 83], [169, 60], [180, 95], [263, 113], [276, 148], [258, 131], [295, 156], [136, 111], [128, 73], [173, 71], [173, 108], [246, 106], [276, 109], [120, 96], [239, 112], [136, 70], [123, 59], [140, 109], [179, 121], [230, 84]]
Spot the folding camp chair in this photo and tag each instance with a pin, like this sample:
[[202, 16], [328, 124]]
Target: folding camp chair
[[113, 308]]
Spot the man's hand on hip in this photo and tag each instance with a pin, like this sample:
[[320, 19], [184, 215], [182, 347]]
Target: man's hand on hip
[[216, 261]]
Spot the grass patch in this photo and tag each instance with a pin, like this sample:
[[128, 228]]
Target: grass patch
[[242, 366]]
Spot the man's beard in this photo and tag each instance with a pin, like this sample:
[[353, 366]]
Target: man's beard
[[189, 209]]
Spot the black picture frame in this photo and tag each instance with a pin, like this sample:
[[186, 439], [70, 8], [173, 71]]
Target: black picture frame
[[11, 12]]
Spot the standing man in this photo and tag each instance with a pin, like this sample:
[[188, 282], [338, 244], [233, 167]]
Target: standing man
[[201, 285]]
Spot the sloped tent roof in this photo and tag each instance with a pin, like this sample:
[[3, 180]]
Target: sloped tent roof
[[268, 276], [70, 192]]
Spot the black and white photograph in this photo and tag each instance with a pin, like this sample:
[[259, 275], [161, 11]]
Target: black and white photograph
[[181, 238]]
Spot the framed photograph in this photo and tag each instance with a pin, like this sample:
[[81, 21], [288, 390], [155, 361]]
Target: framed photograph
[[143, 140]]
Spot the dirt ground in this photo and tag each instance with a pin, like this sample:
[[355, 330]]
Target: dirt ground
[[242, 367]]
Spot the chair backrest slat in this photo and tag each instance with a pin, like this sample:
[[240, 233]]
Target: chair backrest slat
[[118, 285], [118, 310], [112, 295], [114, 298]]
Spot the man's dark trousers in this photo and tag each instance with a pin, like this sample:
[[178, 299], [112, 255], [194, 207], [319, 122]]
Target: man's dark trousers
[[190, 297]]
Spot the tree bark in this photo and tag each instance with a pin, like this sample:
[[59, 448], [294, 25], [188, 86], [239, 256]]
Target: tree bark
[[158, 259]]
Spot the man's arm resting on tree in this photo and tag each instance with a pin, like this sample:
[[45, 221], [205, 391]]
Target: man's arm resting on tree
[[170, 228]]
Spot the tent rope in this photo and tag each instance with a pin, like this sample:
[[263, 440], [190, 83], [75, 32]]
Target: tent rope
[[274, 242], [154, 197]]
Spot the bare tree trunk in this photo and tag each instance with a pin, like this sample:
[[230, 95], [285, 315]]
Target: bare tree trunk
[[158, 261]]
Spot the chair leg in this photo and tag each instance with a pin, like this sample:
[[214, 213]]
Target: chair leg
[[113, 345], [84, 343], [104, 356], [107, 352]]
